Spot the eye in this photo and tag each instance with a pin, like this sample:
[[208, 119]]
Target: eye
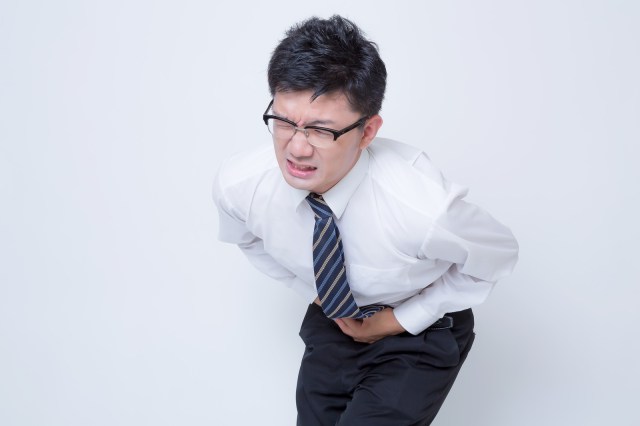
[[281, 124], [324, 134]]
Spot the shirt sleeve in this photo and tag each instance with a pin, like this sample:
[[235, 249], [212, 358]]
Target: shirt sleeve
[[481, 251], [233, 229]]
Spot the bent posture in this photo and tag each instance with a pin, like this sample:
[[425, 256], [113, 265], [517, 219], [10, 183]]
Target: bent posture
[[386, 251]]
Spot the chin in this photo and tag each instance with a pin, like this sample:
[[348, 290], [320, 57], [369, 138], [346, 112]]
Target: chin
[[302, 184]]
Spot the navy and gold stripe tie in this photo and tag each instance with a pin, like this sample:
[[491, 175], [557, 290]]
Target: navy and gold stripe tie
[[328, 264]]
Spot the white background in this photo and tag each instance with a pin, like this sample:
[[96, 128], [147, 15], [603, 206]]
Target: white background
[[119, 307]]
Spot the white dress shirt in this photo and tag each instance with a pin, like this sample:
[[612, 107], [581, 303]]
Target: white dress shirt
[[410, 240]]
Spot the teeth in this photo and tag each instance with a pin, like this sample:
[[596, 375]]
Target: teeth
[[299, 167]]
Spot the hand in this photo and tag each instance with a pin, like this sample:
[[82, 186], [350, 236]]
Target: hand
[[372, 329]]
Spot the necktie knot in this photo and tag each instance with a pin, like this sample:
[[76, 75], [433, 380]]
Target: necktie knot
[[319, 206]]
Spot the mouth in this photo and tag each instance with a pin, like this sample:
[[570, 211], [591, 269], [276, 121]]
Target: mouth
[[300, 170]]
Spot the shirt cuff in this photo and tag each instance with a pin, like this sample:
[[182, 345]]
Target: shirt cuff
[[413, 317]]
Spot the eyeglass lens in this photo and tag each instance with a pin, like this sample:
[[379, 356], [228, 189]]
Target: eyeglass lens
[[283, 131]]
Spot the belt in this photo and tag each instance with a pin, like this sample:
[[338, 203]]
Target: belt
[[442, 324]]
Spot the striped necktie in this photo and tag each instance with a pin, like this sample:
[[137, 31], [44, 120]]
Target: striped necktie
[[328, 264]]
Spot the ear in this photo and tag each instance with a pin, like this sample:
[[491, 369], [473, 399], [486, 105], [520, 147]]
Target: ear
[[371, 128]]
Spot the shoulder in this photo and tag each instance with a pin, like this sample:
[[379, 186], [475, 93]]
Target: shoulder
[[399, 159], [407, 176], [241, 175], [246, 166]]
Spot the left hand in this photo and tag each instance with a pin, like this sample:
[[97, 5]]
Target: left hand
[[372, 329]]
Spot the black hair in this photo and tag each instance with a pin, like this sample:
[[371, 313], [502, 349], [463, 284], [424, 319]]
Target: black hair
[[329, 55]]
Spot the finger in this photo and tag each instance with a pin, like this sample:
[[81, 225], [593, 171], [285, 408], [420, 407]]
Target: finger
[[345, 329], [350, 322]]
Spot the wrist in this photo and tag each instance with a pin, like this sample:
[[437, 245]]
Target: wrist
[[394, 325]]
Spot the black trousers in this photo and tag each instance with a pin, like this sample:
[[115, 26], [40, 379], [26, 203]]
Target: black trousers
[[396, 381]]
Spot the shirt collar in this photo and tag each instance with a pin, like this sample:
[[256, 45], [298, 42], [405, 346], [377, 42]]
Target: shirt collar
[[338, 197]]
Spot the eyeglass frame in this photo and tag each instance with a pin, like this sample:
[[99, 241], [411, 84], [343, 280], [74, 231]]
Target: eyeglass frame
[[336, 133]]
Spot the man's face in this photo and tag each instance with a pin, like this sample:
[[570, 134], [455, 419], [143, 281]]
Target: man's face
[[319, 169]]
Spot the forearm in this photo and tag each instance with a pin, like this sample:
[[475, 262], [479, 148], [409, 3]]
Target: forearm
[[452, 292]]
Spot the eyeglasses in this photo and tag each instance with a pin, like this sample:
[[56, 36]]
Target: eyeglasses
[[283, 130]]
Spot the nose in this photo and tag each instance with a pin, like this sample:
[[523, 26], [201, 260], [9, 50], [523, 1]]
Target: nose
[[299, 146]]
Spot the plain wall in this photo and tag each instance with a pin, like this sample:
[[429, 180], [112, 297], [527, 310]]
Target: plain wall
[[118, 306]]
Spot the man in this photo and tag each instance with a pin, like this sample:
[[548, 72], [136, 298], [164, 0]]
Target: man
[[367, 230]]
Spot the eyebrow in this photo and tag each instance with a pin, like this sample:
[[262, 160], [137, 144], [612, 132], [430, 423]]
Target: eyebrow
[[320, 123], [311, 123]]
